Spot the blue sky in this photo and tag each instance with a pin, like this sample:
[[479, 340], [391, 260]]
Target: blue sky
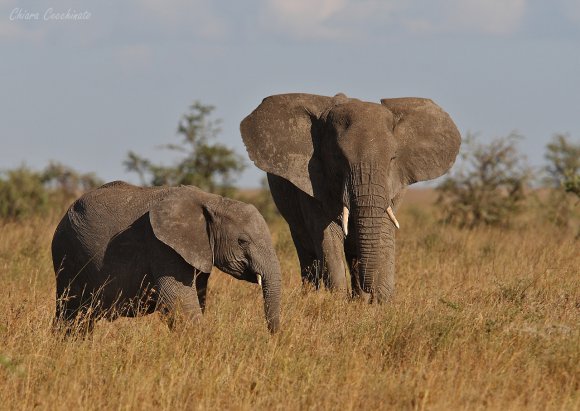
[[86, 92]]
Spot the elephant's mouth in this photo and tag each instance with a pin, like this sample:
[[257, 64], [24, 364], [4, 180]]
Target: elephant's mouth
[[346, 212], [362, 190], [252, 276]]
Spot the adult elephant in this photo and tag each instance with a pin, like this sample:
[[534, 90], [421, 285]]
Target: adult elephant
[[338, 161], [125, 250]]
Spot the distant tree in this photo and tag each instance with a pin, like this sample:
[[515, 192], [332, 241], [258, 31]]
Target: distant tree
[[563, 175], [211, 166], [572, 184], [71, 183], [488, 186], [563, 167], [262, 200]]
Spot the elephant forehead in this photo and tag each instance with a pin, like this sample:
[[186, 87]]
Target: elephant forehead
[[242, 212], [254, 224], [360, 112]]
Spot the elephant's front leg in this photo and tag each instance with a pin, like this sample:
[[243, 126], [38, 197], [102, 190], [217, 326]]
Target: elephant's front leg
[[326, 261], [385, 288], [177, 301], [309, 264], [332, 257], [327, 240], [176, 289], [175, 285], [201, 288]]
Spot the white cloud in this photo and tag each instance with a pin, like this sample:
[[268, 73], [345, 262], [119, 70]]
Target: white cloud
[[572, 9], [345, 18], [302, 18], [316, 10], [487, 16], [134, 57], [308, 19], [195, 16], [496, 17], [13, 31]]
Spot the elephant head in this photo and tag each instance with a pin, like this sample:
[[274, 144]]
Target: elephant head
[[234, 237], [354, 157]]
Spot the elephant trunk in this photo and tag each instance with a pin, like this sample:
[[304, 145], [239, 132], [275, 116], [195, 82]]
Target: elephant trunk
[[368, 202], [368, 234], [271, 279], [271, 292]]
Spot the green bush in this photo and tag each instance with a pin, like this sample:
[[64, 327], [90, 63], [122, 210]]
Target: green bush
[[563, 169], [488, 186], [563, 177], [25, 192], [263, 201], [22, 193], [572, 185]]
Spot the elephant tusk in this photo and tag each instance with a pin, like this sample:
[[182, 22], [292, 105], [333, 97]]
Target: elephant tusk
[[259, 278], [392, 217], [345, 221]]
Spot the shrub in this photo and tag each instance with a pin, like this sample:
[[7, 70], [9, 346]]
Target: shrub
[[572, 185], [488, 186], [24, 192], [65, 184], [563, 176], [263, 201], [563, 158]]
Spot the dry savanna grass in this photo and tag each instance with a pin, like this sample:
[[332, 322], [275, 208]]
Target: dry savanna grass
[[483, 319]]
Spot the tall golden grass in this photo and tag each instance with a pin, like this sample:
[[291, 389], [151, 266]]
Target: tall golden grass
[[482, 319]]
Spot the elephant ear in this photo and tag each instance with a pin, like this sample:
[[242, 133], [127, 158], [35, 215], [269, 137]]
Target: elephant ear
[[427, 138], [179, 221], [280, 136]]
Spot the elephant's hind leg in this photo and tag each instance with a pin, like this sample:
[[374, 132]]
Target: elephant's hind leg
[[72, 317]]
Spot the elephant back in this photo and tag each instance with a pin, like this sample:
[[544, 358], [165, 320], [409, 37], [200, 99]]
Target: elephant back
[[96, 217]]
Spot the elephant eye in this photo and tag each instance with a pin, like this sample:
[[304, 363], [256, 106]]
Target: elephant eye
[[243, 240]]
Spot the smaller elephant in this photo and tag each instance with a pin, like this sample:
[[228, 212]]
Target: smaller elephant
[[122, 250]]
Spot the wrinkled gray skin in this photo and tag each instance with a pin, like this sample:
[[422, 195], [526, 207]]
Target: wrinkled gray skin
[[325, 153], [126, 250]]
